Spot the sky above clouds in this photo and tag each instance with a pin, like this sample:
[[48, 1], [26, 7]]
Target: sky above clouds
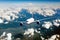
[[33, 0], [6, 3]]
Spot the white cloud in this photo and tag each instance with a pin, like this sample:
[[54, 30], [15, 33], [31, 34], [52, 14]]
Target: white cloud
[[53, 37], [8, 13], [6, 36], [56, 22], [47, 25], [42, 38], [4, 33], [48, 12], [9, 35], [1, 21], [2, 37], [30, 4], [6, 22], [30, 20], [29, 32], [42, 11], [37, 31], [18, 38]]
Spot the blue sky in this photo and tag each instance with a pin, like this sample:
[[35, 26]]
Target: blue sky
[[30, 0], [4, 3]]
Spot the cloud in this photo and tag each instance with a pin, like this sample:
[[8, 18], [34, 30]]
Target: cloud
[[56, 22], [48, 12], [47, 25], [42, 11], [9, 35], [1, 21], [29, 32], [4, 33], [6, 22], [53, 37], [37, 30], [2, 37], [10, 13], [6, 36]]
